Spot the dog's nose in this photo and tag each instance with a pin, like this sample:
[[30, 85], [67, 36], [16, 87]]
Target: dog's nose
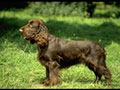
[[21, 30]]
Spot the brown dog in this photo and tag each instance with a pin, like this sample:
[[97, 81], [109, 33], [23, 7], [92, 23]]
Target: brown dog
[[55, 53]]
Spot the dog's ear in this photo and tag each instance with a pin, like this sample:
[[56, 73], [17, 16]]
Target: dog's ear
[[41, 21], [41, 24]]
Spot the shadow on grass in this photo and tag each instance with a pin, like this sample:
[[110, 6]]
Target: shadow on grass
[[104, 33], [10, 25], [9, 30]]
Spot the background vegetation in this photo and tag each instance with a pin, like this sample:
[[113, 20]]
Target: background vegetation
[[19, 67]]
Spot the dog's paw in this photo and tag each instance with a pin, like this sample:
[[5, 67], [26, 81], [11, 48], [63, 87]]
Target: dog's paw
[[46, 81]]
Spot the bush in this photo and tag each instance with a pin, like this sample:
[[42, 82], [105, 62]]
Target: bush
[[82, 9], [58, 8], [114, 13]]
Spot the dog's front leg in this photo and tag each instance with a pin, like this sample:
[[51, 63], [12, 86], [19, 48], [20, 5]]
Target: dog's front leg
[[46, 81], [54, 76]]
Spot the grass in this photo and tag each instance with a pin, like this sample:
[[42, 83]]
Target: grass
[[19, 67]]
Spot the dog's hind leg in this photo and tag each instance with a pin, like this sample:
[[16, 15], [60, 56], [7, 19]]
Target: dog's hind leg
[[92, 65], [98, 77], [102, 69], [105, 71]]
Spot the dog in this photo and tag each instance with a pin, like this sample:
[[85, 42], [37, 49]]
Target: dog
[[55, 53]]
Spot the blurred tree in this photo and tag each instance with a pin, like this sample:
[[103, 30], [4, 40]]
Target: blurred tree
[[91, 8]]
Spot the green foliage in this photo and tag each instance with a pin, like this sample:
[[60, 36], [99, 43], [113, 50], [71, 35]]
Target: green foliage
[[82, 9], [19, 67], [107, 13], [115, 13], [58, 8]]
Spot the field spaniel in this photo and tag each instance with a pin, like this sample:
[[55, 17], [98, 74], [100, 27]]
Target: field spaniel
[[55, 53]]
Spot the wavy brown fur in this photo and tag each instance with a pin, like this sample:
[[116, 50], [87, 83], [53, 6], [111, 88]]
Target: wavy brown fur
[[56, 54], [41, 39]]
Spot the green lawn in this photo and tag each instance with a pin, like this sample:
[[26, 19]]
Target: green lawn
[[19, 67]]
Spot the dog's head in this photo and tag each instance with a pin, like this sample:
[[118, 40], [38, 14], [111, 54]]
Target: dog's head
[[34, 30]]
